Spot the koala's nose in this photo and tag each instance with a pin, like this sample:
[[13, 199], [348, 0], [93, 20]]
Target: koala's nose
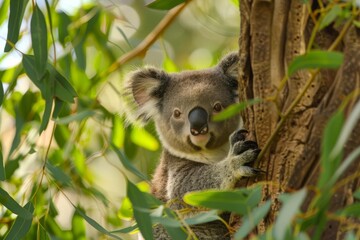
[[198, 119]]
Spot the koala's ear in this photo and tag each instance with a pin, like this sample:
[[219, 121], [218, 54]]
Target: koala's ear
[[229, 65], [146, 88]]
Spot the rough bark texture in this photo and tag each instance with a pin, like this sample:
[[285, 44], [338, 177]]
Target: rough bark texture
[[273, 33]]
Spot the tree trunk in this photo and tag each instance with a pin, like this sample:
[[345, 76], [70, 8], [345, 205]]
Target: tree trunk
[[273, 33]]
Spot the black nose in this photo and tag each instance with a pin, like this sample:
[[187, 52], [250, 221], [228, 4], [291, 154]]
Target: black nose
[[198, 119]]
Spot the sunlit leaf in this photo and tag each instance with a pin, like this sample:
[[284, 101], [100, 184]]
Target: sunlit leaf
[[95, 224], [17, 9], [58, 174], [1, 93], [127, 164], [288, 210], [169, 65], [126, 210], [330, 16], [352, 210], [4, 11], [21, 226], [316, 59], [2, 168], [118, 132], [164, 4], [78, 227], [13, 206], [331, 134], [233, 200], [234, 109], [39, 40], [252, 219], [143, 138], [139, 205], [75, 117]]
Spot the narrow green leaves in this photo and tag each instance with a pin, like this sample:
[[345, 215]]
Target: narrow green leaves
[[141, 209], [2, 168], [290, 207], [240, 201], [164, 4], [17, 9], [13, 206], [252, 219], [316, 59], [21, 225], [1, 93], [234, 109], [39, 40], [94, 224], [127, 164], [330, 16]]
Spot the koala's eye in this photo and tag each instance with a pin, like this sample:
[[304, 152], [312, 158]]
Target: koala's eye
[[177, 113], [217, 107]]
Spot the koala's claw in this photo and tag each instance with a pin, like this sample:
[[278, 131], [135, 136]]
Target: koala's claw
[[243, 146], [237, 136]]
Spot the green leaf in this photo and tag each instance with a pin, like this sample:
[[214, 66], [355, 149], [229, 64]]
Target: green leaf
[[288, 210], [2, 168], [164, 4], [17, 9], [205, 217], [48, 95], [140, 207], [41, 231], [95, 224], [316, 59], [127, 164], [252, 219], [240, 201], [4, 11], [118, 132], [352, 210], [126, 230], [330, 16], [64, 22], [357, 194], [144, 139], [78, 227], [63, 89], [13, 206], [80, 54], [58, 174], [21, 225], [29, 64], [75, 117], [1, 93], [39, 40], [331, 134], [234, 109]]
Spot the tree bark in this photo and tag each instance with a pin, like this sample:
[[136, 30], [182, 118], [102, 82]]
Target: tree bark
[[272, 33]]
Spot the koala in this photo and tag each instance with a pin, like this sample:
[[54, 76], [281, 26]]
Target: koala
[[198, 153]]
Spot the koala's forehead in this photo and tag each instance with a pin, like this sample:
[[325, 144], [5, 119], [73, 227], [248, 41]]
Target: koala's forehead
[[192, 87]]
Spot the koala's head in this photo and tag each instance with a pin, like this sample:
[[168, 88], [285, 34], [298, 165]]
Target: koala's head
[[183, 104]]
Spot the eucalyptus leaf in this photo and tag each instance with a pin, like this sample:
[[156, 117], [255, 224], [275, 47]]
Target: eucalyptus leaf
[[164, 4], [316, 59], [288, 210], [39, 40], [234, 109], [2, 168], [21, 226], [13, 206], [139, 204], [330, 16], [17, 9], [250, 221]]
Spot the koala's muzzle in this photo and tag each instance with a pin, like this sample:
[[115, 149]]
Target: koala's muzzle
[[198, 119]]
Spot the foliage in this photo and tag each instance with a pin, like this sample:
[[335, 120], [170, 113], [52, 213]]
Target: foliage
[[64, 104]]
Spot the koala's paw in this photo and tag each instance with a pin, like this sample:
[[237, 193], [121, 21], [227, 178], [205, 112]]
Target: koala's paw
[[243, 152]]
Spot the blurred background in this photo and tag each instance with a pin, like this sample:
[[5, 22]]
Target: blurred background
[[82, 170]]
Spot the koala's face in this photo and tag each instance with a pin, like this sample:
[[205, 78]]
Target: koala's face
[[183, 104]]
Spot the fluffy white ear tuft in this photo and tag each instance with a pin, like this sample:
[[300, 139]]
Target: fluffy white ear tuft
[[144, 91], [229, 65]]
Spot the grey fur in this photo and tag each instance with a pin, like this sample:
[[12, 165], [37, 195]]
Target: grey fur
[[214, 160]]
